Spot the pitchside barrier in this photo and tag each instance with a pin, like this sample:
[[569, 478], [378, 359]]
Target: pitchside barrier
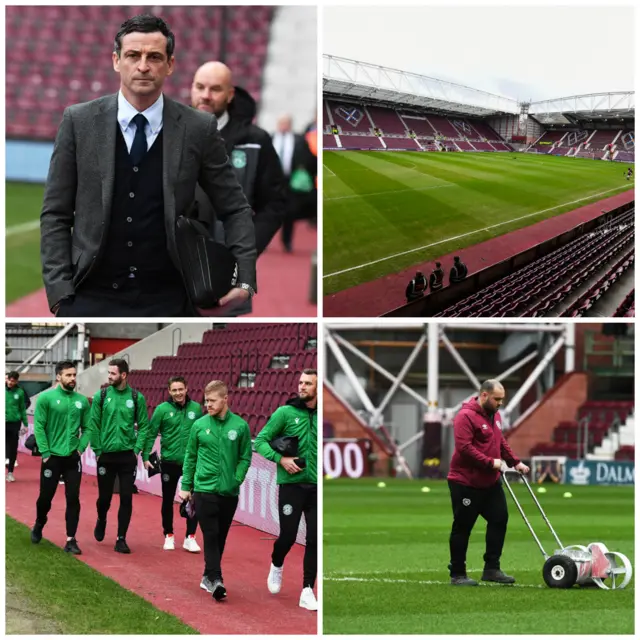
[[258, 500], [347, 457], [563, 470]]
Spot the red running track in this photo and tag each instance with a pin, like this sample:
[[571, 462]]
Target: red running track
[[284, 280], [170, 580], [384, 294]]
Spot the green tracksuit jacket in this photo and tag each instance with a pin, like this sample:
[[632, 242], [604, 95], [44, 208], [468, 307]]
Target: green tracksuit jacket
[[112, 426], [173, 422], [293, 419], [14, 405], [218, 455], [60, 415]]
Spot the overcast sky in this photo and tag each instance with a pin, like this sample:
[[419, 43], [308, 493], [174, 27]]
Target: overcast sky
[[523, 53]]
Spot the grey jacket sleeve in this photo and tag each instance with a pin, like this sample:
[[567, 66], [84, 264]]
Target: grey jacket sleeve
[[56, 219], [219, 182]]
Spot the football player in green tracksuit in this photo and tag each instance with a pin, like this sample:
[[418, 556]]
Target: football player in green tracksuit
[[173, 420], [114, 413], [61, 414], [216, 462], [298, 487], [15, 412]]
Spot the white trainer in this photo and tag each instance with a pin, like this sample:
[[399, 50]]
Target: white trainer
[[11, 477], [274, 581], [169, 542], [308, 599], [190, 544]]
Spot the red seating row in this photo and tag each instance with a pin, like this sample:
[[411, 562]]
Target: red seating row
[[627, 308], [52, 52], [544, 283]]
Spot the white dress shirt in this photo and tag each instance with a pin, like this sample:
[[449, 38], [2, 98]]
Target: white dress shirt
[[153, 114]]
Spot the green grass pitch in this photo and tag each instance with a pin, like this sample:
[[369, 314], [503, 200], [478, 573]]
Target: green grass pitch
[[386, 553], [380, 204], [23, 267], [76, 597]]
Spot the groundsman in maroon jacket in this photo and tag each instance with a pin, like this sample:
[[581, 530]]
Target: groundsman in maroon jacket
[[479, 446]]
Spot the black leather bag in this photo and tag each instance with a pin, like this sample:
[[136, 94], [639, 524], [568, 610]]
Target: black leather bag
[[30, 443], [208, 267], [156, 467], [287, 446]]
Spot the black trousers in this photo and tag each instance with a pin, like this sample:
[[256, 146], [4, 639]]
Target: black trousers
[[171, 472], [70, 468], [12, 437], [293, 501], [95, 302], [123, 465], [215, 515], [469, 503]]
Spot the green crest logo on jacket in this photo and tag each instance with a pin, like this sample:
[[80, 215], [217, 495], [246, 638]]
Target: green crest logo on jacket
[[238, 159], [78, 404], [130, 404], [232, 435], [191, 414]]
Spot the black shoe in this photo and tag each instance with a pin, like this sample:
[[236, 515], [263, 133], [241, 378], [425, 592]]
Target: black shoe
[[72, 547], [495, 575], [122, 546], [219, 592], [36, 533], [463, 581], [99, 531]]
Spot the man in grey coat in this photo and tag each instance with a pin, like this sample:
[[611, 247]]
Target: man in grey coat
[[124, 167]]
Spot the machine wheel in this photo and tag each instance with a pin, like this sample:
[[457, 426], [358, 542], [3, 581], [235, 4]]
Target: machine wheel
[[560, 572]]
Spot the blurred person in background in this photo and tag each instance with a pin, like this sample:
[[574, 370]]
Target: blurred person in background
[[16, 402], [298, 156], [252, 155], [124, 168]]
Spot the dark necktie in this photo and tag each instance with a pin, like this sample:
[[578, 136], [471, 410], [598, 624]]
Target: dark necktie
[[139, 146]]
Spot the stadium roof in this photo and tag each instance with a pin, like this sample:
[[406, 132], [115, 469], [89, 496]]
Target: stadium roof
[[363, 81], [590, 107]]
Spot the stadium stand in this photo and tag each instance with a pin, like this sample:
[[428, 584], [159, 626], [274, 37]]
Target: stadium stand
[[627, 308], [45, 74], [396, 126], [535, 290], [260, 362], [610, 422]]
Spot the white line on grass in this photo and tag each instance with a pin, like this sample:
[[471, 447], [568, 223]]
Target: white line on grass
[[470, 233], [384, 193], [23, 228], [428, 582], [329, 170]]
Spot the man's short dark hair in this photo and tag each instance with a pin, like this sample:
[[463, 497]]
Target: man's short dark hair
[[310, 372], [13, 375], [123, 365], [64, 364], [145, 23], [438, 265], [456, 258], [177, 379]]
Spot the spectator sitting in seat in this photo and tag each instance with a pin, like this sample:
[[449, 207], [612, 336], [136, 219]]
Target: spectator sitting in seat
[[458, 272], [417, 287], [436, 279]]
